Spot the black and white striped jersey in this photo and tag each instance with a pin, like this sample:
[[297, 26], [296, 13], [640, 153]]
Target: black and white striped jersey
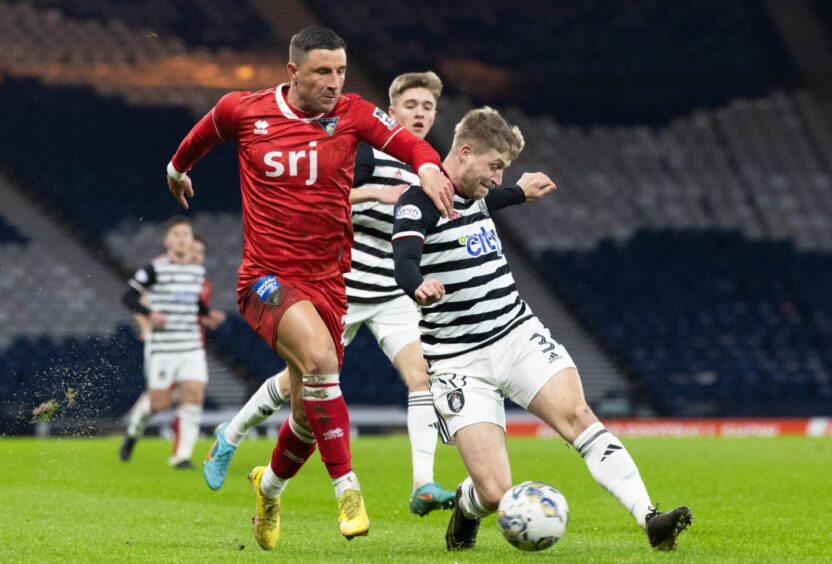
[[371, 279], [464, 253], [172, 289]]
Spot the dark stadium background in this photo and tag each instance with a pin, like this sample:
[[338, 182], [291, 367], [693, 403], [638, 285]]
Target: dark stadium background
[[685, 261]]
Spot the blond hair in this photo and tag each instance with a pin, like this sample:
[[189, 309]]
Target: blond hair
[[485, 129], [408, 80]]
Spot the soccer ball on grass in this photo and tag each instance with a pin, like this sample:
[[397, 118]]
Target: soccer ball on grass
[[533, 516]]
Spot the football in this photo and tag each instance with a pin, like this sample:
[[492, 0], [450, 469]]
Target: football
[[533, 516]]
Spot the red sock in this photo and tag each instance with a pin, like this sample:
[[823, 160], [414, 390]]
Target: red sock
[[330, 421], [292, 450]]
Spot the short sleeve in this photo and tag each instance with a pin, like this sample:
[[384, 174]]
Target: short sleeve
[[143, 278]]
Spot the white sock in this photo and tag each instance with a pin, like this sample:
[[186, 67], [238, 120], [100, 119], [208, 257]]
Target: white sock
[[265, 401], [614, 470], [421, 427], [346, 482], [140, 416], [270, 484], [470, 502], [189, 415]]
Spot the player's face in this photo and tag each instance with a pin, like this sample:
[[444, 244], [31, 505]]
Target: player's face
[[179, 239], [197, 252], [415, 110], [480, 172], [318, 80]]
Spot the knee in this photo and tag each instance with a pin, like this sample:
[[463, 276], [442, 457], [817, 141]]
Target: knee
[[319, 360], [491, 492], [580, 418], [191, 396], [415, 378], [161, 404], [584, 415], [284, 383]]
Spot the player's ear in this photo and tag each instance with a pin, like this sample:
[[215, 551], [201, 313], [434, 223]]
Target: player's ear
[[391, 111], [292, 70], [465, 153]]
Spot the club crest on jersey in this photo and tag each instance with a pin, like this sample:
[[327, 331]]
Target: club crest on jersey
[[328, 124], [456, 400], [261, 127], [386, 120]]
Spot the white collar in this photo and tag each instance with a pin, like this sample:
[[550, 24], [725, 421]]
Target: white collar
[[285, 109]]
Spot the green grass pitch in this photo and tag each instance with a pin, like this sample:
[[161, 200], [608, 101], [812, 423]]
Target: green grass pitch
[[754, 500]]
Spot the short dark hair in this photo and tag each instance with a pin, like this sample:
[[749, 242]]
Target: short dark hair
[[178, 220], [198, 239], [313, 37]]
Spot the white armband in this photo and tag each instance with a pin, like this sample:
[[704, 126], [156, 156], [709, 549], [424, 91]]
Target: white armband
[[175, 174], [427, 165]]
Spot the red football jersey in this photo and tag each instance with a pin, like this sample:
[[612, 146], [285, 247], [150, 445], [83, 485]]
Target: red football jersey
[[296, 172]]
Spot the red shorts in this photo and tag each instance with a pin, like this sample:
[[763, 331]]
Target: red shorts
[[263, 303]]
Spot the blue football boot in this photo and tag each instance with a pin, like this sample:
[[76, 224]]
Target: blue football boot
[[219, 457], [428, 497]]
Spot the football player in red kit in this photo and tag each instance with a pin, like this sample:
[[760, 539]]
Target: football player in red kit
[[296, 147]]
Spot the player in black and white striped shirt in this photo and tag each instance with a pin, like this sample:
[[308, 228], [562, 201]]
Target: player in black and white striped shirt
[[483, 343], [167, 292], [373, 299]]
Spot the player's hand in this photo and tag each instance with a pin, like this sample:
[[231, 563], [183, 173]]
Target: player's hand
[[438, 187], [429, 292], [157, 320], [181, 189], [392, 194], [535, 185], [214, 319]]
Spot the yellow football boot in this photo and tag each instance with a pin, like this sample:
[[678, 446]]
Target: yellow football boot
[[352, 515], [266, 518]]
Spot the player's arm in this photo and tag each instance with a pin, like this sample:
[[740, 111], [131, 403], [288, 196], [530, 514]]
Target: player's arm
[[142, 280], [216, 126], [499, 198], [415, 216], [381, 131], [209, 318], [531, 186], [365, 165], [144, 325]]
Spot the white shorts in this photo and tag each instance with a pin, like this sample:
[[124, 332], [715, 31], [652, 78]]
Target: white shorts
[[395, 324], [470, 388], [163, 370]]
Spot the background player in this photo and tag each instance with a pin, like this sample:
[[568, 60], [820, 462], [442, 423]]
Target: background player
[[373, 298], [174, 354], [297, 145], [483, 343], [215, 318]]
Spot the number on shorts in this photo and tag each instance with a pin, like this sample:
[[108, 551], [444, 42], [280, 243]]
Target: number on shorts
[[542, 340]]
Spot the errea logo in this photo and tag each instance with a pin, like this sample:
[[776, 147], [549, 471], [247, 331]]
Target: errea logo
[[331, 434], [261, 127]]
